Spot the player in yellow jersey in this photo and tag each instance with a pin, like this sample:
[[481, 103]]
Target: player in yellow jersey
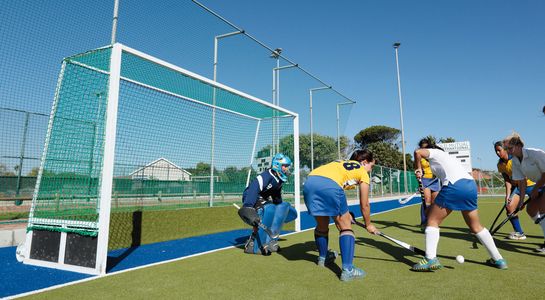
[[430, 185], [325, 198], [513, 198]]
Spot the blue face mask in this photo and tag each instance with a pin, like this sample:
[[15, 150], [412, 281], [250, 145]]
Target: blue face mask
[[509, 156]]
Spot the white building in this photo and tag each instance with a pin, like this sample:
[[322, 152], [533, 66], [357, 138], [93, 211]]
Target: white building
[[161, 169]]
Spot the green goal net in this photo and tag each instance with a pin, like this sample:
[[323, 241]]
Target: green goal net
[[128, 132]]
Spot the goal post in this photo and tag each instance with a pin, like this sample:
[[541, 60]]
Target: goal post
[[128, 131]]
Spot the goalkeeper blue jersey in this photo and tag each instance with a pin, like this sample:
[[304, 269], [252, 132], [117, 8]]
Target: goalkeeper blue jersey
[[266, 185]]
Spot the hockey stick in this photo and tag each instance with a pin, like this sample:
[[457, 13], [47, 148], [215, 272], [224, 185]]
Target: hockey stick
[[498, 216], [400, 243], [420, 192], [403, 201], [258, 223], [510, 216]]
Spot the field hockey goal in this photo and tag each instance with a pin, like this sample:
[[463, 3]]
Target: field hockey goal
[[129, 130]]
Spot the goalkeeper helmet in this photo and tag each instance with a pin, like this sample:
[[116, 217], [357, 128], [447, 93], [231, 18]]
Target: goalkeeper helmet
[[278, 161]]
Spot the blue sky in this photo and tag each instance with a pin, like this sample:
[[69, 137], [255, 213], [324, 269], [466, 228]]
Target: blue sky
[[471, 70]]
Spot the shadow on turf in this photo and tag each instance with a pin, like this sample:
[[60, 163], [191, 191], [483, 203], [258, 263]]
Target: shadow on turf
[[307, 251], [400, 254], [464, 234]]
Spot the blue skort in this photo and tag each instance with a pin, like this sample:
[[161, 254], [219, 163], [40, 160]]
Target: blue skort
[[462, 195], [431, 183], [529, 190], [324, 197]]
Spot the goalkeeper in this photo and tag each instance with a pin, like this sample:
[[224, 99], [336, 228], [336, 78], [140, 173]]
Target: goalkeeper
[[264, 194]]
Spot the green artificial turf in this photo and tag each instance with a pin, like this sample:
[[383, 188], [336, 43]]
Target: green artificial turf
[[292, 273]]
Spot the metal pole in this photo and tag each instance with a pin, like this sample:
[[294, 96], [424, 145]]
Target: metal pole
[[21, 159], [492, 184], [296, 173], [276, 121], [311, 136], [274, 103], [391, 187], [114, 21], [311, 126], [396, 47], [253, 153], [276, 95], [338, 127], [216, 42], [381, 182], [338, 134]]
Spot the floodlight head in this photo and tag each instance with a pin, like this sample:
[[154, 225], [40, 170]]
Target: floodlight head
[[397, 44], [276, 53], [544, 110]]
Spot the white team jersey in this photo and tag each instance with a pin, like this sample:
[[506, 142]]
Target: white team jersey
[[446, 168], [532, 165]]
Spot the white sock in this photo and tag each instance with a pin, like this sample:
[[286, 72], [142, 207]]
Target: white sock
[[542, 223], [432, 240], [486, 239]]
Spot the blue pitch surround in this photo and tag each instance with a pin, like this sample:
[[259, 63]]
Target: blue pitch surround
[[19, 278]]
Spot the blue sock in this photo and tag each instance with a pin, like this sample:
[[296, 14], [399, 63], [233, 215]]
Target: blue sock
[[346, 244], [321, 242], [516, 224]]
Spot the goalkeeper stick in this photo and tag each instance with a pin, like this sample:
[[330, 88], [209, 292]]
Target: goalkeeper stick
[[258, 223], [510, 216], [400, 243]]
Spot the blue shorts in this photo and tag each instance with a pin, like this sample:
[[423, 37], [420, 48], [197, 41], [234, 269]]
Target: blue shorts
[[431, 183], [324, 197], [461, 195]]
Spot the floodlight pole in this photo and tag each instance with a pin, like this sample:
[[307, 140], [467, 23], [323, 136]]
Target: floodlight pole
[[276, 96], [114, 21], [396, 47], [216, 43], [311, 125], [338, 127]]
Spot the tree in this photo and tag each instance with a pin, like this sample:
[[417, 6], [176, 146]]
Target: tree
[[388, 155], [325, 148], [4, 171], [201, 169], [447, 140], [433, 139], [34, 172], [375, 134], [232, 174]]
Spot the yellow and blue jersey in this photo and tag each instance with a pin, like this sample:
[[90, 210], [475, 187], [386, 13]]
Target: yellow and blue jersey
[[506, 168], [426, 169], [346, 173]]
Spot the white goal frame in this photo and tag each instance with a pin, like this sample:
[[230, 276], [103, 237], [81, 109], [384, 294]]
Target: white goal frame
[[106, 179]]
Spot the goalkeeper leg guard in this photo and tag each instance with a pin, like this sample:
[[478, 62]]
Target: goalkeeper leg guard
[[280, 214]]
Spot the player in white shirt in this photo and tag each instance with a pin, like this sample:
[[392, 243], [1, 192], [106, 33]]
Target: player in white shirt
[[529, 163], [459, 192]]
